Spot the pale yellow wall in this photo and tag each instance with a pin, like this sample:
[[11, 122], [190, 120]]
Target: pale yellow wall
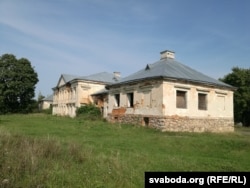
[[159, 98], [147, 98], [219, 101], [150, 98], [46, 105], [84, 91], [67, 99]]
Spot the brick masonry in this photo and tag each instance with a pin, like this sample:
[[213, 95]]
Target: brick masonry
[[176, 123]]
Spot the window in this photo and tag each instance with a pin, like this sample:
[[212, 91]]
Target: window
[[130, 99], [181, 101], [202, 101], [117, 100]]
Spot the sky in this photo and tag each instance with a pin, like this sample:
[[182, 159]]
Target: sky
[[83, 37]]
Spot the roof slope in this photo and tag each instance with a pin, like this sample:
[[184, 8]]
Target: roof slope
[[100, 77], [48, 98], [171, 69], [68, 77], [103, 77]]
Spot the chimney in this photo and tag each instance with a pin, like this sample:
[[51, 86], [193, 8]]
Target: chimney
[[167, 54], [117, 76]]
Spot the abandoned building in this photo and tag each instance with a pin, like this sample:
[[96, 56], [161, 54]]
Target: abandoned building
[[165, 95], [75, 91], [171, 96]]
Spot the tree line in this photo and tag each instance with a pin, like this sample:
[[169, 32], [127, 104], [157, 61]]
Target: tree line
[[18, 80], [240, 78]]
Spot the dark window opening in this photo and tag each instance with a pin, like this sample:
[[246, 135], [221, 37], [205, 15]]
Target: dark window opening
[[130, 99], [117, 100], [181, 99]]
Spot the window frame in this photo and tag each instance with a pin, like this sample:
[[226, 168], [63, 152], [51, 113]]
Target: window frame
[[117, 99], [130, 98], [179, 104], [202, 101]]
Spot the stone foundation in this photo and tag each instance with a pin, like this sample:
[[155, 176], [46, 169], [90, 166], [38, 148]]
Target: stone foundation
[[176, 123]]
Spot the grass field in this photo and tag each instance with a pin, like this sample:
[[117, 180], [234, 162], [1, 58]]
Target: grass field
[[40, 150]]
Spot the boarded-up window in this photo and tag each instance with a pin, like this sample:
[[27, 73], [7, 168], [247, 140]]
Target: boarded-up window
[[130, 99], [202, 101], [117, 100], [220, 103], [147, 99], [181, 99]]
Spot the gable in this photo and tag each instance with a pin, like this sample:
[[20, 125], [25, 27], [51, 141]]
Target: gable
[[65, 78], [61, 82]]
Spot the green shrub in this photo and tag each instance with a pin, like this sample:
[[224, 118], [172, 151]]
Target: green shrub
[[89, 111], [47, 111]]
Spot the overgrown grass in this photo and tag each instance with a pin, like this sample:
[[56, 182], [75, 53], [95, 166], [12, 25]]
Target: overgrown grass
[[40, 150]]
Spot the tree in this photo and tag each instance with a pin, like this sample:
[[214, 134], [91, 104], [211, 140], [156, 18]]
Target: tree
[[17, 84], [240, 78]]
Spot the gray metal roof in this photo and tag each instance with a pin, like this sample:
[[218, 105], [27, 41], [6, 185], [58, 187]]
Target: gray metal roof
[[170, 69], [100, 77], [104, 77], [68, 77], [48, 98]]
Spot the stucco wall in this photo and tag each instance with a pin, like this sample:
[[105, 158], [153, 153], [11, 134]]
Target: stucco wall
[[147, 98], [156, 101], [159, 98], [68, 97], [84, 91], [219, 101], [45, 105]]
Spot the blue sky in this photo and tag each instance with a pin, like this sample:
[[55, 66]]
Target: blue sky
[[83, 37]]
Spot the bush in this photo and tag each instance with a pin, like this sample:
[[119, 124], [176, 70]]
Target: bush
[[89, 111], [47, 111]]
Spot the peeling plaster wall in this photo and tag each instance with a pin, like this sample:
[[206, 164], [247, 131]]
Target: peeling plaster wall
[[219, 101], [68, 97], [84, 91], [147, 98], [155, 106]]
